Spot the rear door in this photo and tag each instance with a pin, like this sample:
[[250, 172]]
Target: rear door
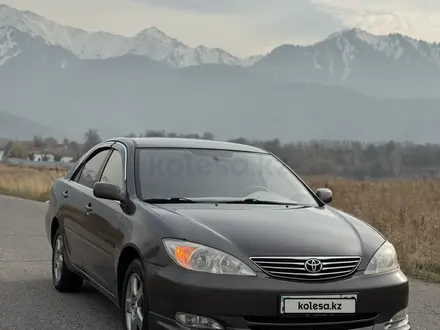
[[103, 225], [74, 199]]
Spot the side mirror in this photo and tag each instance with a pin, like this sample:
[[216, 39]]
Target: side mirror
[[108, 191], [324, 194]]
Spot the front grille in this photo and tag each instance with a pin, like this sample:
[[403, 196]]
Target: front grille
[[308, 268]]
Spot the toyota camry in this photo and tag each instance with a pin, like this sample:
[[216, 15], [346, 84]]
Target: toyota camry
[[183, 233]]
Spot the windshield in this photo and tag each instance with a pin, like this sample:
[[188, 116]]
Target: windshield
[[217, 175]]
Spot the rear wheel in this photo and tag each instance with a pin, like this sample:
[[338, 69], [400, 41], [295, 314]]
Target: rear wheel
[[133, 306], [63, 279]]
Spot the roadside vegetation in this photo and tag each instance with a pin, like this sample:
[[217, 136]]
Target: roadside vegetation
[[406, 211], [26, 182]]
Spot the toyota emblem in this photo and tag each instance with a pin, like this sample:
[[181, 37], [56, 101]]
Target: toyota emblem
[[313, 265]]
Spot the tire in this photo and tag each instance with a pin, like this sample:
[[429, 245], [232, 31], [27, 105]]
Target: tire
[[64, 280], [135, 271]]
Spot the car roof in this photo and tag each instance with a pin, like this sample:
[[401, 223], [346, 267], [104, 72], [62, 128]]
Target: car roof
[[163, 142]]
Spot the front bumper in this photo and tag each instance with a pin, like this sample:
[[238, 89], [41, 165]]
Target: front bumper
[[241, 302]]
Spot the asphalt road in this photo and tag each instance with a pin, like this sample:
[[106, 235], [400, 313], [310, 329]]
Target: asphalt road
[[28, 300]]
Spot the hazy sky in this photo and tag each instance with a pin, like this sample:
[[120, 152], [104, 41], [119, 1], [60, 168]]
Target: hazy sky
[[244, 27]]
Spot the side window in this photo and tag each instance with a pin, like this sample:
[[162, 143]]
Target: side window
[[114, 170], [90, 171], [69, 172]]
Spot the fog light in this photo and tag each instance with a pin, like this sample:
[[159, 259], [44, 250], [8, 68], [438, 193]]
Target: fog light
[[196, 321], [398, 320]]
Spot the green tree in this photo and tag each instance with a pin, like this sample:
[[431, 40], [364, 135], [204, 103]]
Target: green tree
[[50, 142], [92, 138], [208, 136], [7, 149], [154, 133], [19, 151], [38, 141]]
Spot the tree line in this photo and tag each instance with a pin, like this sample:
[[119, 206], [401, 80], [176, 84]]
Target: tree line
[[321, 157]]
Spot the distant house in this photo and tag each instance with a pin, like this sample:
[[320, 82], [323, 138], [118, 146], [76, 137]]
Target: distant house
[[43, 158], [66, 159]]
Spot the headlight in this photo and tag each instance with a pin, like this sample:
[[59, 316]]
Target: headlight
[[384, 260], [202, 258]]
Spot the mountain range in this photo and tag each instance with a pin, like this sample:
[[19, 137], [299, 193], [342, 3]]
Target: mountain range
[[150, 42], [351, 85]]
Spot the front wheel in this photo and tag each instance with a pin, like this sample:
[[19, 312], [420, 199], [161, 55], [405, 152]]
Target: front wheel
[[63, 279], [133, 306]]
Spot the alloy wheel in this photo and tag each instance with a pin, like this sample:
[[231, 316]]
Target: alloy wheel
[[134, 303], [58, 261]]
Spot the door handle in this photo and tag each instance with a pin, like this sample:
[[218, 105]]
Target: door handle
[[66, 194], [88, 208]]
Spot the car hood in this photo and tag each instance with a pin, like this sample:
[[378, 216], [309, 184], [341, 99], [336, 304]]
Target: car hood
[[263, 230]]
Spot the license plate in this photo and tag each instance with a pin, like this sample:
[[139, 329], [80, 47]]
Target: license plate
[[326, 304]]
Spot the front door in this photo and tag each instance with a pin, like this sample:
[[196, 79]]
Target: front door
[[75, 196], [103, 226]]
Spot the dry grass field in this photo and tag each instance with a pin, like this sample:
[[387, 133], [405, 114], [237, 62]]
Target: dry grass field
[[407, 211], [26, 182]]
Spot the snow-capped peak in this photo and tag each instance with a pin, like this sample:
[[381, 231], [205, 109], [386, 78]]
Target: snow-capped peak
[[152, 32], [359, 34], [150, 42], [394, 46], [350, 53], [377, 41]]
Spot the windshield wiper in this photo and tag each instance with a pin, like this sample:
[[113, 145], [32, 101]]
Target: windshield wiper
[[172, 200], [169, 200], [262, 201]]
